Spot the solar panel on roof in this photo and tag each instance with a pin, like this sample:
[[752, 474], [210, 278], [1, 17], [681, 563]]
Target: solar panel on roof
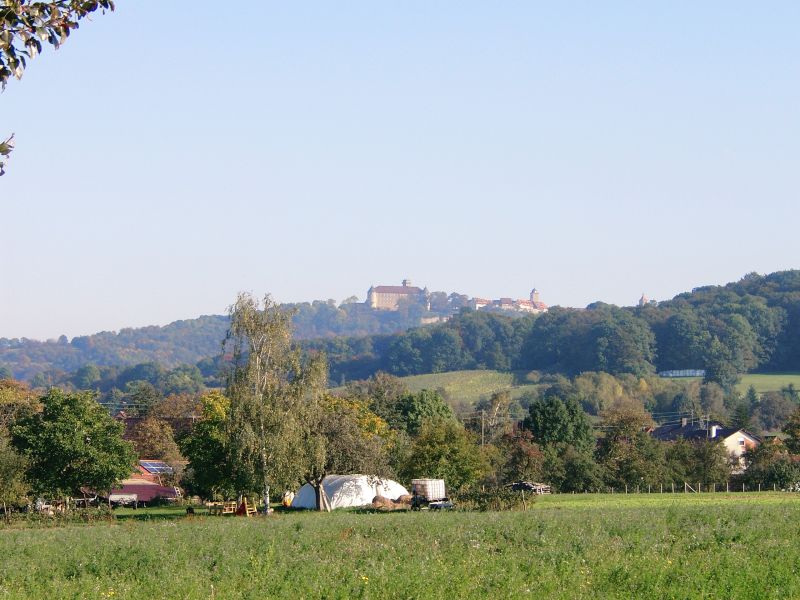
[[155, 466]]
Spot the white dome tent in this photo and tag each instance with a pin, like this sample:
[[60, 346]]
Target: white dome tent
[[345, 491]]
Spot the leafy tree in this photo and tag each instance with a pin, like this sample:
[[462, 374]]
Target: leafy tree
[[413, 410], [601, 338], [154, 438], [522, 458], [382, 392], [177, 407], [72, 443], [343, 436], [13, 486], [16, 400], [445, 450], [141, 396], [208, 473], [581, 472], [555, 419], [773, 411], [185, 379], [498, 416], [627, 453], [711, 462], [270, 389], [712, 401], [24, 25], [87, 377], [697, 461], [771, 464], [792, 431]]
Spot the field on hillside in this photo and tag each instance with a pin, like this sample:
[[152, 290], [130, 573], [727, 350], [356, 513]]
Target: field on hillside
[[583, 546], [464, 388], [769, 383], [467, 387]]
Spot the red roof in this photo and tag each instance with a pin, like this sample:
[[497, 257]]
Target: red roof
[[396, 289], [145, 492]]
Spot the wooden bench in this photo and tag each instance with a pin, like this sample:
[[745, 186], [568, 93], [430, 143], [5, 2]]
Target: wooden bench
[[222, 508]]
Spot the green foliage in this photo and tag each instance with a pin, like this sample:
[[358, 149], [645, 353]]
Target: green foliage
[[16, 401], [154, 438], [72, 443], [343, 436], [521, 458], [413, 410], [445, 450], [773, 411], [703, 461], [792, 431], [204, 447], [727, 330], [558, 419], [6, 147], [570, 469], [601, 338], [181, 342], [272, 391], [13, 486], [628, 454], [742, 417], [771, 465]]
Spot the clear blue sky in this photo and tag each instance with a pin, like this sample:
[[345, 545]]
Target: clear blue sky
[[174, 153]]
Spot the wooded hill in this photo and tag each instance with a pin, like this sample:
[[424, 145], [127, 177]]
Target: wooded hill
[[190, 340], [750, 325]]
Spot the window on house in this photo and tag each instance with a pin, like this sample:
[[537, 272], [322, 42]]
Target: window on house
[[741, 441]]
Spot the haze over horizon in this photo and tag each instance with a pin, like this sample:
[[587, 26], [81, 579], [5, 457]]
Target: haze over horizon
[[594, 153]]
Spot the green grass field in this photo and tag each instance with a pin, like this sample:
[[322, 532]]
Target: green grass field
[[769, 383], [583, 546]]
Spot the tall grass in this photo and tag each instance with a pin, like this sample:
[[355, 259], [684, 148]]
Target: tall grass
[[582, 546]]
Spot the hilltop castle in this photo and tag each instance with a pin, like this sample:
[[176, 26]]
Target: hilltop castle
[[388, 297]]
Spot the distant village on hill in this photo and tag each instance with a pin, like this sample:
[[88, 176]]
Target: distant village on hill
[[393, 297]]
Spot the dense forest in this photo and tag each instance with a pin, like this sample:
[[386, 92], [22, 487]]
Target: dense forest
[[749, 325]]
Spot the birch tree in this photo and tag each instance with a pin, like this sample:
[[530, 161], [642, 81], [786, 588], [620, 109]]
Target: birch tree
[[271, 388]]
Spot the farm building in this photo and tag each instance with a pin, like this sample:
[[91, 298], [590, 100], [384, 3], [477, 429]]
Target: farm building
[[145, 484], [736, 440]]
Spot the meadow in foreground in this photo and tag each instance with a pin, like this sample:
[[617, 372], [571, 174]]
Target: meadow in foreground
[[681, 546]]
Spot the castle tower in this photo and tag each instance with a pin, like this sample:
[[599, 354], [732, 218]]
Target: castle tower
[[535, 296], [643, 300]]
